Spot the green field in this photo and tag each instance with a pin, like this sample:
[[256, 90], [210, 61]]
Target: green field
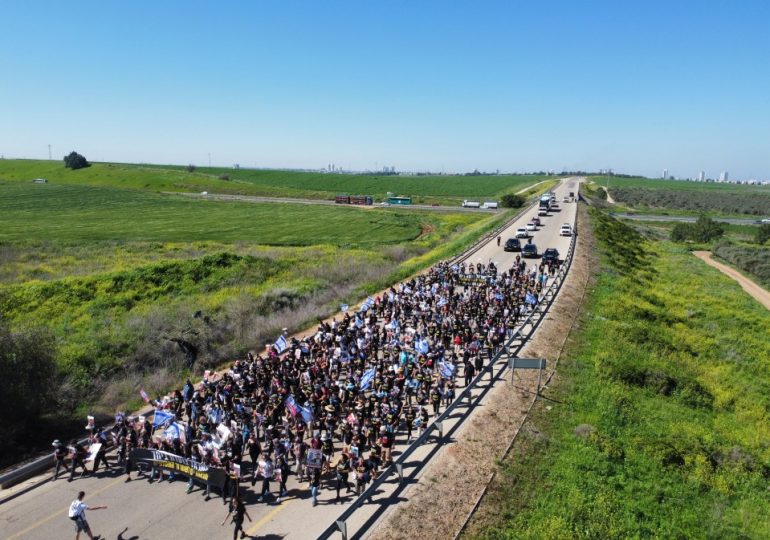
[[72, 213], [657, 423], [107, 286], [449, 190]]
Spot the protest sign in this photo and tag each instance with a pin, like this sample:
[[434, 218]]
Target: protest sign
[[315, 458], [92, 451], [169, 462]]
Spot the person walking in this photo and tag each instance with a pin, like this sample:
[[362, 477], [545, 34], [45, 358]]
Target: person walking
[[79, 455], [59, 455], [238, 510], [77, 513]]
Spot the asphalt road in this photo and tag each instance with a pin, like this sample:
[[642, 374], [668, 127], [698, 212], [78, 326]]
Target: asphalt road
[[139, 510], [685, 219]]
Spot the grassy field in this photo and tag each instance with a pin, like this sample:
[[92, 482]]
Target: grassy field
[[449, 190], [129, 288], [657, 424], [72, 213]]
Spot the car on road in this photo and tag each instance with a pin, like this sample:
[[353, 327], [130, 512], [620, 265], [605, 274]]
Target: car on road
[[551, 255], [531, 226], [521, 232], [543, 212], [529, 251], [765, 220], [566, 230], [512, 244], [555, 206], [536, 221]]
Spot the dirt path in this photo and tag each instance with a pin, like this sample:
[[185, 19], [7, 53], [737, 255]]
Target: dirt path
[[755, 291], [438, 504]]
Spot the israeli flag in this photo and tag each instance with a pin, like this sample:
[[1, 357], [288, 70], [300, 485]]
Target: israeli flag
[[175, 431], [291, 405], [162, 417], [359, 322], [367, 378], [422, 346], [442, 301], [446, 370], [344, 307], [530, 299], [280, 344], [306, 412]]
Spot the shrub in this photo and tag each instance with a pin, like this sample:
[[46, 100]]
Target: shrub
[[763, 234], [191, 168], [703, 230], [511, 200], [224, 176], [74, 161]]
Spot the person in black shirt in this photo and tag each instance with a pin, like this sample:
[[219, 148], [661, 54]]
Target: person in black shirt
[[59, 455], [238, 510]]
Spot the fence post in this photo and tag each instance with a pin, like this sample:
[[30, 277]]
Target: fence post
[[440, 428], [343, 527]]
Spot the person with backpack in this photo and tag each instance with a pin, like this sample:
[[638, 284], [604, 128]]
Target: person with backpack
[[238, 510], [79, 455], [59, 455], [77, 513]]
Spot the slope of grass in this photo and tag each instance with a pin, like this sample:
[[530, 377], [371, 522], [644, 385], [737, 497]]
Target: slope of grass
[[276, 183], [658, 424]]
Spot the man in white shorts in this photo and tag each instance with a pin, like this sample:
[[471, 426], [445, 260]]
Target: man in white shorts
[[77, 513]]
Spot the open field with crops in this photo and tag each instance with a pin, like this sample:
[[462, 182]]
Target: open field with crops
[[656, 425], [449, 190], [105, 290]]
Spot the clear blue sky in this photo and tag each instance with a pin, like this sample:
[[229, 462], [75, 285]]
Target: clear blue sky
[[420, 85]]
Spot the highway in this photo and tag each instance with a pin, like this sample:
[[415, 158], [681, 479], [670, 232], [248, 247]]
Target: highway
[[139, 510]]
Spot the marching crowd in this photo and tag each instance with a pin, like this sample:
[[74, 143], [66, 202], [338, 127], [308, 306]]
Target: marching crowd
[[332, 405]]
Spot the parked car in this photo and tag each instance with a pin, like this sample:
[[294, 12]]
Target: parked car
[[521, 232], [512, 244], [529, 251], [531, 226], [566, 230], [551, 255]]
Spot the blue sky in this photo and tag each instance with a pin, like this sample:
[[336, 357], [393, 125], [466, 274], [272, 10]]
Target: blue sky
[[453, 86]]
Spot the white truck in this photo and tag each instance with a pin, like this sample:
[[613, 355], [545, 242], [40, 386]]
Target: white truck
[[489, 205], [471, 204]]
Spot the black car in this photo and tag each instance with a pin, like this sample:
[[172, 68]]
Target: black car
[[551, 255], [512, 244], [529, 251]]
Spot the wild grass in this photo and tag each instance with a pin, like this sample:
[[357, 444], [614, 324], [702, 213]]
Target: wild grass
[[753, 260], [657, 425]]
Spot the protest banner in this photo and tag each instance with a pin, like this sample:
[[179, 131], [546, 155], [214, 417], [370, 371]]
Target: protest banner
[[169, 462]]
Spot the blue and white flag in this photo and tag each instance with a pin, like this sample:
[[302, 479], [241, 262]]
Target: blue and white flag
[[162, 417], [446, 370], [280, 344], [442, 301], [306, 413], [530, 299], [368, 303], [422, 346], [291, 405], [175, 431], [359, 322], [367, 378], [344, 307]]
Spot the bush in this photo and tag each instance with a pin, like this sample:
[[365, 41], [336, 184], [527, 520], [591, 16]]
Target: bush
[[75, 161], [191, 168], [703, 230], [510, 200], [762, 234], [224, 177], [752, 203]]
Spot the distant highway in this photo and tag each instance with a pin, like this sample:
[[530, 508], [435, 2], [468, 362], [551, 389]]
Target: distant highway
[[686, 219]]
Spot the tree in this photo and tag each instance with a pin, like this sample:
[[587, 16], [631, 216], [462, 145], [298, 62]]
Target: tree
[[703, 230], [509, 200], [762, 234], [191, 168], [28, 372], [75, 161]]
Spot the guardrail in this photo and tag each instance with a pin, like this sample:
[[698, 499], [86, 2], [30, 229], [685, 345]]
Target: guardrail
[[532, 320]]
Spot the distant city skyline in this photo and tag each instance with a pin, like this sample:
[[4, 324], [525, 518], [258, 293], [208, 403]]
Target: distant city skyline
[[419, 86]]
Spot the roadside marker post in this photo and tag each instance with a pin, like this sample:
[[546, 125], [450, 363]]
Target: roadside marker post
[[440, 428], [400, 471], [343, 527], [528, 363]]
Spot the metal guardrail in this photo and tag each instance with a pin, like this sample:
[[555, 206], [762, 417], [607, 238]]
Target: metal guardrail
[[339, 524]]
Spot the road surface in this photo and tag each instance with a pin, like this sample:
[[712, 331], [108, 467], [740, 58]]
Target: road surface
[[164, 510]]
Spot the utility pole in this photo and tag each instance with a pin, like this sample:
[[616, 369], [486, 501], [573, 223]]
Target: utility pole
[[209, 160], [49, 153]]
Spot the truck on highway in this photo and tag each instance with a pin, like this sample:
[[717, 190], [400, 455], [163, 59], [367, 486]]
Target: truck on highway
[[471, 204], [545, 202], [489, 205]]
